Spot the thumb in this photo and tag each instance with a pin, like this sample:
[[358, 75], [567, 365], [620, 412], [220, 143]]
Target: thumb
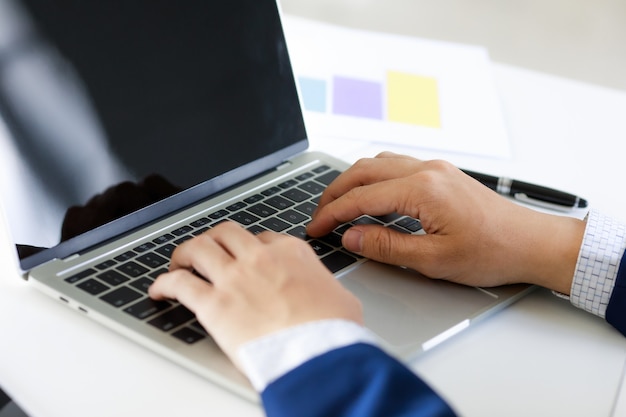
[[382, 244]]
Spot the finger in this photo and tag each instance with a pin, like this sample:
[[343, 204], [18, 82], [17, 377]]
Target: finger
[[427, 183], [393, 155], [181, 285], [274, 238], [391, 196], [203, 255], [297, 248], [419, 252], [368, 171], [268, 236], [235, 240]]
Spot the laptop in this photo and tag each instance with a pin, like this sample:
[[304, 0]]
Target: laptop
[[136, 125]]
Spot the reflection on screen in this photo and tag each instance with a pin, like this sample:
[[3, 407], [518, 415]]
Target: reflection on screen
[[113, 105]]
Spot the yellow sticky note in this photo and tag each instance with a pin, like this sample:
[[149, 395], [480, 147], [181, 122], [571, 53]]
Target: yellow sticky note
[[413, 99]]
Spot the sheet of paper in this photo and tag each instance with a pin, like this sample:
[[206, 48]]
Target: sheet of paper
[[394, 89]]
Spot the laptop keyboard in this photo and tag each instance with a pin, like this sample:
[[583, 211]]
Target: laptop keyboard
[[123, 281]]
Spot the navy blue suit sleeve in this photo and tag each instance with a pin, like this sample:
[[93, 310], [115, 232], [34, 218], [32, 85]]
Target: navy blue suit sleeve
[[616, 310], [357, 380]]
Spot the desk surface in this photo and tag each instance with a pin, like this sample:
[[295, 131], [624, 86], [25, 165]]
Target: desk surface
[[538, 357]]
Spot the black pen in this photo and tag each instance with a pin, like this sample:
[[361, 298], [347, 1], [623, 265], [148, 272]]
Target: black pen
[[529, 193]]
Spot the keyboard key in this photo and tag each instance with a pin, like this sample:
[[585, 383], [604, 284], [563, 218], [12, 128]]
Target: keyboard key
[[410, 224], [287, 184], [343, 229], [182, 231], [304, 176], [152, 260], [113, 278], [321, 169], [106, 264], [271, 191], [188, 335], [121, 296], [202, 221], [366, 220], [163, 239], [132, 269], [306, 208], [200, 231], [293, 216], [256, 229], [142, 284], [172, 318], [146, 308], [328, 177], [80, 276], [337, 260], [237, 206], [388, 218], [166, 250], [333, 239], [253, 199], [197, 326], [320, 248], [299, 232], [219, 214], [125, 256], [312, 187], [398, 228], [155, 274], [182, 239], [92, 286], [244, 218], [279, 202], [275, 224], [296, 195], [144, 247], [262, 210]]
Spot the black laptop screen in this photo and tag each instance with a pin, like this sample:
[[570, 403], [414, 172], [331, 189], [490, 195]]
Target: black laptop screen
[[115, 105]]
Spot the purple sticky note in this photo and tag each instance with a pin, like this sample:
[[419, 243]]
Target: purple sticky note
[[358, 98]]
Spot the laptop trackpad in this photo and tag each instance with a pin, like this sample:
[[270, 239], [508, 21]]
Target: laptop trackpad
[[406, 309]]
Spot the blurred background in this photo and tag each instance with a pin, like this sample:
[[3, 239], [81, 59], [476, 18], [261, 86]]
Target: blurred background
[[579, 39]]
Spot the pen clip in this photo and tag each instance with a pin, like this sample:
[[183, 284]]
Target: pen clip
[[543, 204]]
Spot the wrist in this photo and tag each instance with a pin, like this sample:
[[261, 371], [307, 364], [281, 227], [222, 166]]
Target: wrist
[[556, 246]]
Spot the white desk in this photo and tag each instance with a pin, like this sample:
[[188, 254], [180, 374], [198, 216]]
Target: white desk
[[540, 357]]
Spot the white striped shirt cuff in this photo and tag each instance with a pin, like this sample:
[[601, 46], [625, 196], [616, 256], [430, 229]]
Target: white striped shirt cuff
[[598, 261], [269, 357]]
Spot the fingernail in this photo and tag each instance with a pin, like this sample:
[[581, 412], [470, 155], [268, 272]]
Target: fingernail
[[353, 240]]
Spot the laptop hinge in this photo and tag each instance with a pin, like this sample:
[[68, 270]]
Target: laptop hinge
[[283, 165], [71, 257]]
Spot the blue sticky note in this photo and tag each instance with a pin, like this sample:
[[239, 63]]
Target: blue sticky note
[[313, 94]]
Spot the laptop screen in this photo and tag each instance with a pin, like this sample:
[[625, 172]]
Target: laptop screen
[[115, 106]]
